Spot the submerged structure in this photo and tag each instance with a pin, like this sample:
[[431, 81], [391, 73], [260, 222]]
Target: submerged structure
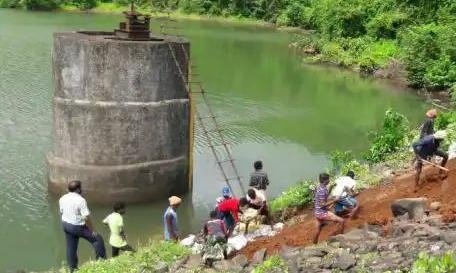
[[121, 113]]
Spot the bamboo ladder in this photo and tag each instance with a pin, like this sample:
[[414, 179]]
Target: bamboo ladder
[[209, 125]]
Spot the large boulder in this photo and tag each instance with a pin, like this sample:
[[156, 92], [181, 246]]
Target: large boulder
[[415, 208]]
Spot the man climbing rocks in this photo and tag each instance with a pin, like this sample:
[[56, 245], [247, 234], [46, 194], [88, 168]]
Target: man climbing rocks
[[321, 212], [77, 224], [428, 126], [343, 194], [259, 179], [170, 219], [427, 147]]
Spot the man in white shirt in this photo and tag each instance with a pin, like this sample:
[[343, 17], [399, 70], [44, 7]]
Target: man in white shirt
[[257, 200], [76, 224], [343, 193]]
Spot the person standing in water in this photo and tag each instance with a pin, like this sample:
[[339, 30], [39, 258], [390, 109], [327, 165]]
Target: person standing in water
[[259, 178], [77, 224], [118, 239], [170, 219]]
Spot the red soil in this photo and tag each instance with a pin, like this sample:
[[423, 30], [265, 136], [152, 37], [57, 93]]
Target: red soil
[[374, 209]]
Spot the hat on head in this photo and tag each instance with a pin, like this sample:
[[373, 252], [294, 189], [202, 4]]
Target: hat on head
[[174, 200], [226, 191], [440, 134], [432, 113]]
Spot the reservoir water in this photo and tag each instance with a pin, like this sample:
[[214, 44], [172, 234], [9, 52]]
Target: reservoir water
[[271, 106]]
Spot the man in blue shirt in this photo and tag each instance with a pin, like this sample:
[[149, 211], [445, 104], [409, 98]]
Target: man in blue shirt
[[170, 219], [427, 147]]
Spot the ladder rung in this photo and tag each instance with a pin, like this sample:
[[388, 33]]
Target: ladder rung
[[207, 117], [228, 160], [219, 145], [234, 178]]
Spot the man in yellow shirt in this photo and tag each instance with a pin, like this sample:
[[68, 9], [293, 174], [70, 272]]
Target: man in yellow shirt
[[117, 240]]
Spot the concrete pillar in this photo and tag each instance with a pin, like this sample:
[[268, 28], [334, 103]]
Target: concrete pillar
[[121, 117]]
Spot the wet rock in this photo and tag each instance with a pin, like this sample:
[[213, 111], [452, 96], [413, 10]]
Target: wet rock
[[259, 256], [314, 252], [414, 207]]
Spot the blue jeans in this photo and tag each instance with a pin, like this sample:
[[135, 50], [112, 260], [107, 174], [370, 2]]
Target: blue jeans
[[230, 223], [347, 202], [72, 235]]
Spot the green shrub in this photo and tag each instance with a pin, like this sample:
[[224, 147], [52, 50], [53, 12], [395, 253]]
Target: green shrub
[[390, 138], [144, 259], [41, 4], [386, 25], [297, 195], [429, 264], [272, 264], [430, 55], [86, 4], [10, 3]]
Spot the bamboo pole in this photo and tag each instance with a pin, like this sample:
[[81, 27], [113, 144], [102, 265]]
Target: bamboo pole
[[435, 165]]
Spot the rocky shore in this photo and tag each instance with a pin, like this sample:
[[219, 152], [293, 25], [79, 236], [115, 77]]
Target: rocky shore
[[370, 248]]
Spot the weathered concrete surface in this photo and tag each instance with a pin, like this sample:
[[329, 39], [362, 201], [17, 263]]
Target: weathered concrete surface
[[121, 117]]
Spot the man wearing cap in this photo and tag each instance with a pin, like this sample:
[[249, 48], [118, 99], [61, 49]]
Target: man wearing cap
[[428, 126], [77, 224], [170, 219], [427, 147]]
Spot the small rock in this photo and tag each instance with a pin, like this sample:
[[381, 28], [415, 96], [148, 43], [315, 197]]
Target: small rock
[[240, 261], [160, 267], [193, 261], [259, 256], [415, 207], [222, 266], [288, 253], [449, 237], [435, 205], [344, 261]]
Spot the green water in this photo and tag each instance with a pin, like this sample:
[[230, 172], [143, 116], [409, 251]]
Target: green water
[[271, 105]]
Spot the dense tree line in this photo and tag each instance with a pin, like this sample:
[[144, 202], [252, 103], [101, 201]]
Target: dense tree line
[[369, 34]]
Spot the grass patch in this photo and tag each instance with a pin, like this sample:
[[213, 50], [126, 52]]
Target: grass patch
[[272, 264], [298, 195]]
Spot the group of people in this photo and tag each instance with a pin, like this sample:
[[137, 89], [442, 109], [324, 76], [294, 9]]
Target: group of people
[[225, 216], [77, 224]]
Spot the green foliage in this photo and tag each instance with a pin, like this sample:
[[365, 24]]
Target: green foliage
[[272, 264], [298, 195], [41, 4], [430, 55], [144, 259], [84, 4], [390, 138], [10, 3], [430, 264]]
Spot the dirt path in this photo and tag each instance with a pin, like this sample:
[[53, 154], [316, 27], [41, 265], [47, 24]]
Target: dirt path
[[374, 209]]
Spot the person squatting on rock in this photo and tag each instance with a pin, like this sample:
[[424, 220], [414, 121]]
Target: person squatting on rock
[[77, 224], [428, 125], [215, 236], [117, 239], [230, 209], [259, 178], [343, 194], [257, 200], [321, 211], [170, 219], [427, 147]]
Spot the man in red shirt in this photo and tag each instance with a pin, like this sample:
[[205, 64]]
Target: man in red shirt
[[229, 208]]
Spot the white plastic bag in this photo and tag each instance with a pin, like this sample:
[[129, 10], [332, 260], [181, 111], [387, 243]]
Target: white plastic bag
[[188, 241], [237, 242]]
